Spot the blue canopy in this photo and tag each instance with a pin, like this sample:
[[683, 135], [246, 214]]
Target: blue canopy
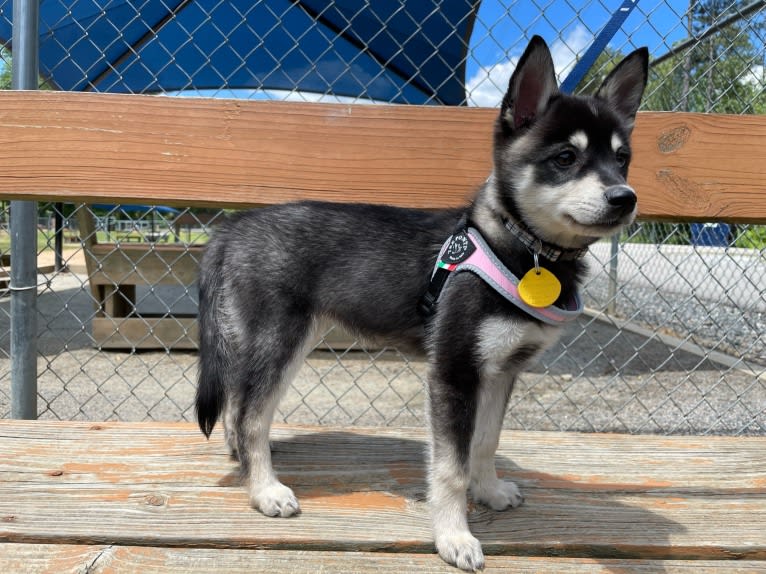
[[411, 51]]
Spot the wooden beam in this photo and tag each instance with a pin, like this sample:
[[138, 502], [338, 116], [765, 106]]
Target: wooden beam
[[700, 166], [233, 153], [178, 333], [144, 263]]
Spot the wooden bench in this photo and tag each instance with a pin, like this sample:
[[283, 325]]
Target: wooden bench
[[232, 153], [116, 269], [5, 270], [145, 497]]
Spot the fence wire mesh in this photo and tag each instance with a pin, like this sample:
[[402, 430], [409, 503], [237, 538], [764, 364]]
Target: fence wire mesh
[[673, 340]]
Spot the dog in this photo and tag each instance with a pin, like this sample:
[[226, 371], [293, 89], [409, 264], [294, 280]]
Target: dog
[[441, 283]]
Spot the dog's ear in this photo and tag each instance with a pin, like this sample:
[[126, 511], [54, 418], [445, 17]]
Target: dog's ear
[[532, 84], [624, 86]]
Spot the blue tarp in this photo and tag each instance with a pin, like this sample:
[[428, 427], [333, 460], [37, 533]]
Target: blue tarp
[[711, 234], [405, 52]]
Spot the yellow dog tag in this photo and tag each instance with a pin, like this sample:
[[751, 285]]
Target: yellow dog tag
[[539, 287]]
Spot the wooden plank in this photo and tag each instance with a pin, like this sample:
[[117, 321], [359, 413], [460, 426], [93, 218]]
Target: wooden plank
[[700, 166], [98, 559], [188, 151], [180, 333], [587, 496], [233, 153], [145, 264], [145, 332]]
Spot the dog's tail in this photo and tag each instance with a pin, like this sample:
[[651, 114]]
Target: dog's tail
[[213, 361]]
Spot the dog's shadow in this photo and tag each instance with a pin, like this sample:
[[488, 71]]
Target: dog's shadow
[[561, 515]]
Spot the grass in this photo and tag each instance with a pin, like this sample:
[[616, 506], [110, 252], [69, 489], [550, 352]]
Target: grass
[[45, 239], [754, 237]]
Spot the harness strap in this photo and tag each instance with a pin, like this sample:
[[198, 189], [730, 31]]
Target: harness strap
[[467, 251]]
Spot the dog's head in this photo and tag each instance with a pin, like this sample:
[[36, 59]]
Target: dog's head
[[561, 161]]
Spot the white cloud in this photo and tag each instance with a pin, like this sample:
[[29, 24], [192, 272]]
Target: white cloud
[[487, 87], [565, 51], [755, 76]]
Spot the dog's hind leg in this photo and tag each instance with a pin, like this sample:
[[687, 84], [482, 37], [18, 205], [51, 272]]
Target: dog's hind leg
[[271, 364], [230, 423]]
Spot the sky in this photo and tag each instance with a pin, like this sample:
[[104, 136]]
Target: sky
[[503, 27]]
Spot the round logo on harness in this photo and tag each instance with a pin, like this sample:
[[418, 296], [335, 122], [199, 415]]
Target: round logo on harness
[[459, 249]]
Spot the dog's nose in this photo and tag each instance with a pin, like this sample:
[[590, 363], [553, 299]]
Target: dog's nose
[[621, 197]]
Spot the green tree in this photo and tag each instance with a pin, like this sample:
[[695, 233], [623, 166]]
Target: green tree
[[6, 74], [722, 73], [5, 68], [592, 79]]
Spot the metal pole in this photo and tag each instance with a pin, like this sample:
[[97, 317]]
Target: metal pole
[[23, 280], [58, 236], [611, 304]]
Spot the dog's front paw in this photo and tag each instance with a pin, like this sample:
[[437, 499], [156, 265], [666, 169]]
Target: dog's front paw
[[275, 500], [497, 494], [461, 550]]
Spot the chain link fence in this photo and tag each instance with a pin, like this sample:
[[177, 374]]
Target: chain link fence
[[672, 342]]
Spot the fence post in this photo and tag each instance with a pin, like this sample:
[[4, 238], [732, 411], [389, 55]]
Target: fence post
[[611, 303], [23, 279], [58, 236]]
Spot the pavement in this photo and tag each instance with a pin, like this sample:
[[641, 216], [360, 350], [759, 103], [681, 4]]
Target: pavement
[[733, 275]]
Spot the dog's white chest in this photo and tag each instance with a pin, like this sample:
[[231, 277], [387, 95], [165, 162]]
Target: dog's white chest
[[504, 343]]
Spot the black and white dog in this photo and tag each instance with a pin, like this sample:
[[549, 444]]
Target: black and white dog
[[481, 291]]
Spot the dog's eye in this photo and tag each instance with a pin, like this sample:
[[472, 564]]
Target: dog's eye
[[565, 158], [622, 157]]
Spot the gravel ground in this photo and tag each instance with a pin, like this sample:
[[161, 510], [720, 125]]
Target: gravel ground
[[715, 297], [599, 378]]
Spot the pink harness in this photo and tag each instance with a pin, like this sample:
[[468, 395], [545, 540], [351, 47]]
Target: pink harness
[[467, 251]]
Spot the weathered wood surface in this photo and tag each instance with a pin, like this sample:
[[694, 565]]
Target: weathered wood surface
[[183, 151], [100, 559], [119, 332], [595, 497], [144, 264]]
